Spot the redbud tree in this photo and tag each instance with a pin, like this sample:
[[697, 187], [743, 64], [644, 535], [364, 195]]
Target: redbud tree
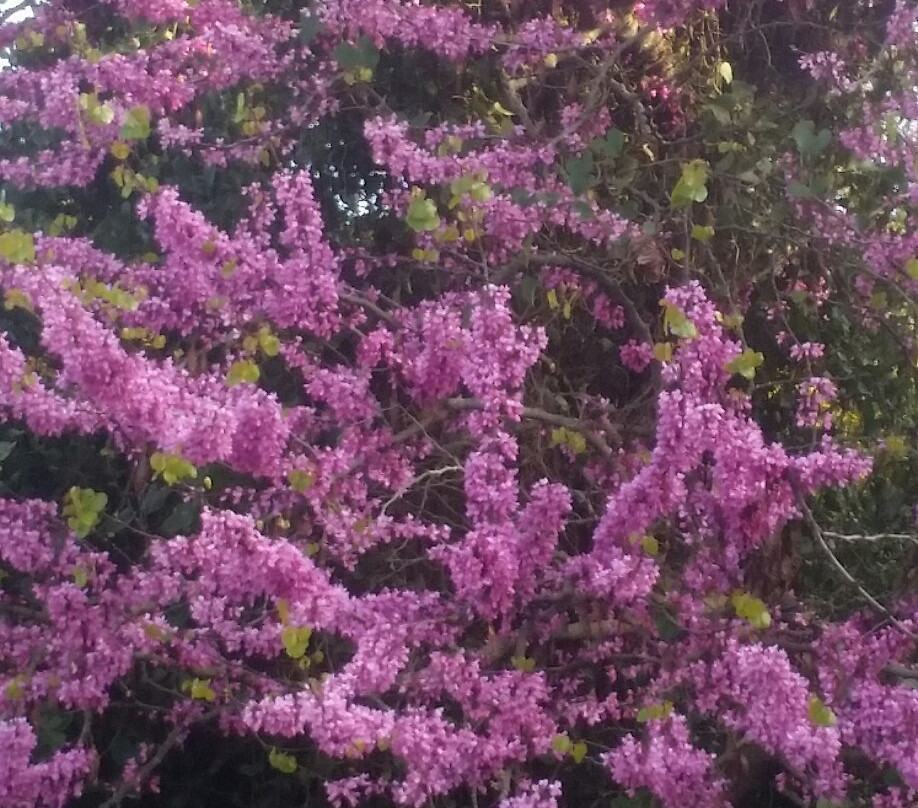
[[501, 403]]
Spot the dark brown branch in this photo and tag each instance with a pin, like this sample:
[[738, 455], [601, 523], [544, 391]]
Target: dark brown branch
[[538, 414]]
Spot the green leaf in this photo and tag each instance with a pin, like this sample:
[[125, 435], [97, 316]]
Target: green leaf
[[561, 744], [523, 198], [911, 268], [82, 508], [101, 114], [120, 150], [655, 712], [810, 143], [819, 713], [7, 212], [200, 689], [752, 609], [676, 323], [611, 145], [691, 186], [663, 351], [17, 247], [295, 640], [726, 72], [300, 481], [282, 761], [136, 123], [720, 112], [650, 545], [580, 172], [268, 342], [244, 371], [745, 364], [172, 468], [422, 215], [578, 751], [310, 25], [583, 210], [362, 54], [523, 663], [571, 438], [702, 233], [181, 519]]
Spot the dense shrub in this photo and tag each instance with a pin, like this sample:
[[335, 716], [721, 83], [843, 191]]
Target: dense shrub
[[506, 403]]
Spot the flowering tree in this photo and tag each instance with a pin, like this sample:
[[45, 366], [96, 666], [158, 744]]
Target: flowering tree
[[504, 404]]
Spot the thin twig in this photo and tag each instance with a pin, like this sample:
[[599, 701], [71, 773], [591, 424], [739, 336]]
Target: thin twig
[[538, 414], [871, 537], [172, 739], [356, 299], [842, 570], [421, 477]]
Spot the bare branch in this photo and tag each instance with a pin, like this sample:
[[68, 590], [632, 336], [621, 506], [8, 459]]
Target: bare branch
[[871, 537], [842, 570], [538, 414]]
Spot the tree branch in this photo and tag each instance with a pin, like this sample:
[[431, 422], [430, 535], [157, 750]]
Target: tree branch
[[842, 570]]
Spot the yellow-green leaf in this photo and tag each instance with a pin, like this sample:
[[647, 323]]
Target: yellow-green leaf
[[745, 364], [523, 663], [283, 611], [17, 247], [422, 215], [172, 468], [663, 351], [282, 761], [16, 299], [561, 744], [154, 632], [578, 751], [120, 150], [733, 321], [702, 232], [14, 689], [242, 372], [268, 342], [201, 690], [819, 713], [676, 323], [752, 609], [571, 438], [300, 481], [136, 123], [655, 712], [295, 640], [692, 185], [83, 508], [911, 268]]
